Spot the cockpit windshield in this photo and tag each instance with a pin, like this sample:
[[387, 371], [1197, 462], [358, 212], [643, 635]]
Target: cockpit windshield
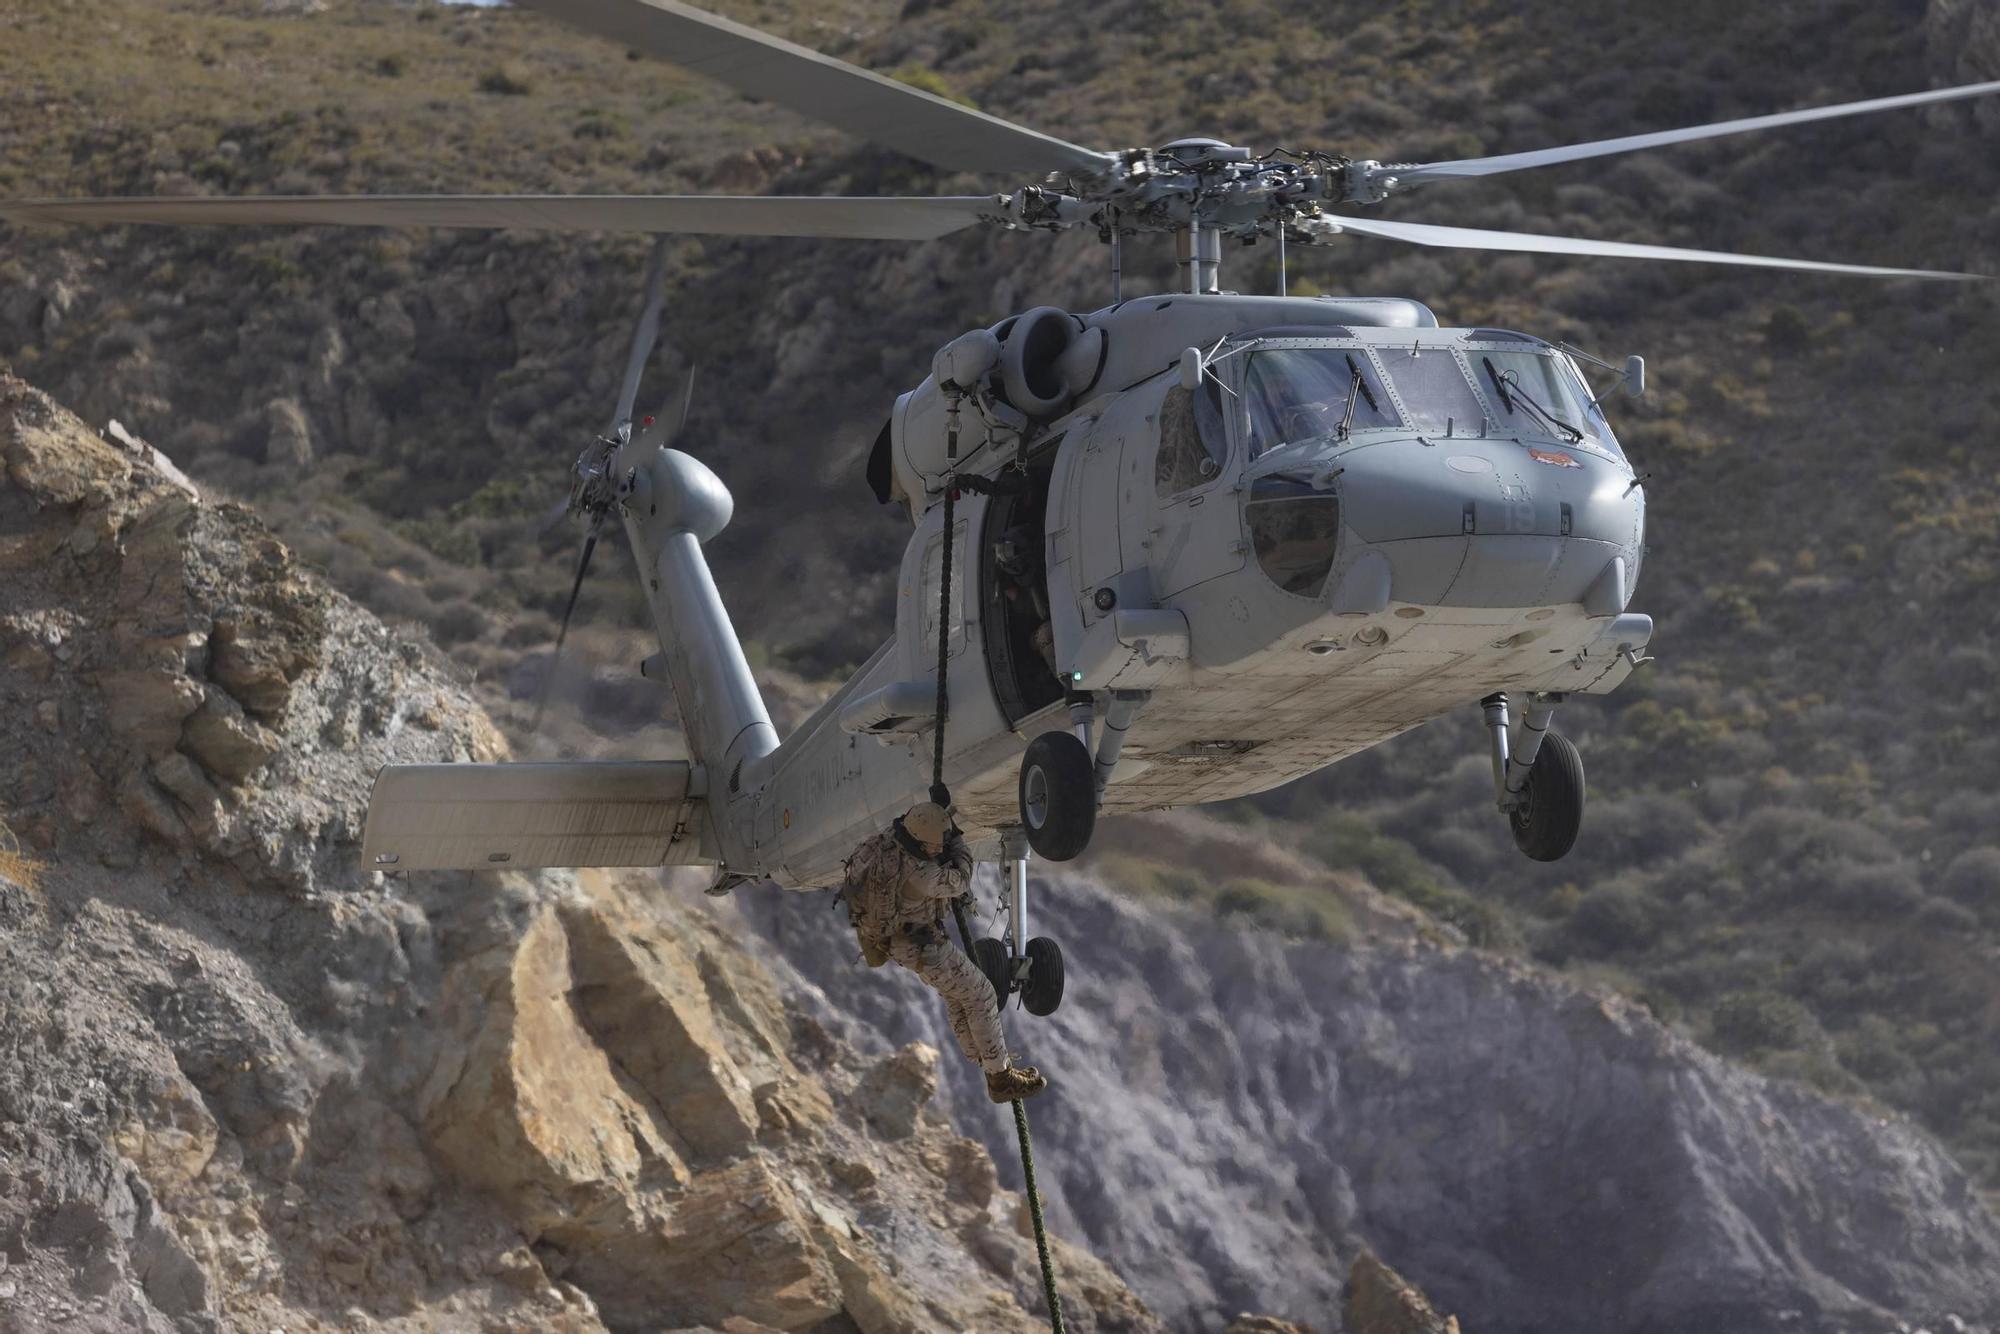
[[1297, 393], [1438, 389], [1432, 384]]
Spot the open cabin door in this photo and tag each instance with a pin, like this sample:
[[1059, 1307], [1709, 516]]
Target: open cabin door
[[1016, 602]]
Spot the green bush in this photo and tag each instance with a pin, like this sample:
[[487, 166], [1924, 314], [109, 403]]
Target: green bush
[[505, 81], [1611, 919], [930, 81], [1973, 878], [1786, 329], [1745, 1023]]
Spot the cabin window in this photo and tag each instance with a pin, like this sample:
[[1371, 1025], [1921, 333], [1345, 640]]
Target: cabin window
[[1294, 530], [1193, 444], [1431, 382], [1300, 393]]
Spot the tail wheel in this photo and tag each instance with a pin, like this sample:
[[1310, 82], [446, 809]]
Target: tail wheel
[[990, 957], [1547, 822], [1058, 796], [1043, 991]]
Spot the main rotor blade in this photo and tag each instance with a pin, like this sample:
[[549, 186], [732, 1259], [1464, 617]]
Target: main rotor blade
[[1543, 157], [644, 334], [887, 218], [1472, 238], [925, 126]]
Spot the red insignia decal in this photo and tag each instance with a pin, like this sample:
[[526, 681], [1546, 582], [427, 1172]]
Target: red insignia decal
[[1554, 457]]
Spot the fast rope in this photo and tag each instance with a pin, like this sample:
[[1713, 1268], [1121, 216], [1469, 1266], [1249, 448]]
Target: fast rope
[[942, 796], [939, 792], [1049, 1293]]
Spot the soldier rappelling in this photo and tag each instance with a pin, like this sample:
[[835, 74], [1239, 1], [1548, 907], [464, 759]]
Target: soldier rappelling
[[898, 885]]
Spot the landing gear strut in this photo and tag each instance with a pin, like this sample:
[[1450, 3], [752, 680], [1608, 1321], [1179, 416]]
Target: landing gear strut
[[1035, 969], [1537, 777]]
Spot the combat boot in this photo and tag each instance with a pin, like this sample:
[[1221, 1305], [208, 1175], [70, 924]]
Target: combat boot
[[1015, 1083]]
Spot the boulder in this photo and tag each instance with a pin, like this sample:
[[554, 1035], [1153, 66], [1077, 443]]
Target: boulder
[[527, 1105], [642, 999], [287, 434], [1381, 1301], [897, 1088], [228, 742]]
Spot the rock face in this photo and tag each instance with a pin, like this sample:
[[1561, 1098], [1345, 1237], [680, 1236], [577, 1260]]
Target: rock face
[[1534, 1155], [1381, 1301], [245, 1084], [1964, 39]]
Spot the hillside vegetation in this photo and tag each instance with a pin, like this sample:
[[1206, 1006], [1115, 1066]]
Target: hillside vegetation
[[1794, 846]]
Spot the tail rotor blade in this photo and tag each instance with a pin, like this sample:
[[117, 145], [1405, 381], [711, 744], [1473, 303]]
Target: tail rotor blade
[[687, 404], [555, 659], [554, 515], [644, 334], [654, 434]]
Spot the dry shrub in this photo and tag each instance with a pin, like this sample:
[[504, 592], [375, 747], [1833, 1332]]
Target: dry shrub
[[16, 866]]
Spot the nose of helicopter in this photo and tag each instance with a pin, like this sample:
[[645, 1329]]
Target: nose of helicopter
[[1495, 523]]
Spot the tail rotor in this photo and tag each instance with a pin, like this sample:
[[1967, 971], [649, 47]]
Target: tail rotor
[[593, 490]]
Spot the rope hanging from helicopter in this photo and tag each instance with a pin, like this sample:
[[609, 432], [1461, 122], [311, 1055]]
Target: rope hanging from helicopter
[[941, 794]]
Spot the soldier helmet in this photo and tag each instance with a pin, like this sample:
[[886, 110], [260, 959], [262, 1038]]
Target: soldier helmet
[[926, 822]]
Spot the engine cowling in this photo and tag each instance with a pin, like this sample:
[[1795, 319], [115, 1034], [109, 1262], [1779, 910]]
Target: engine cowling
[[1028, 368]]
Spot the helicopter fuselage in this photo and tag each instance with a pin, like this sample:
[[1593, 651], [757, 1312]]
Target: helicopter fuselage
[[1224, 541], [1341, 531]]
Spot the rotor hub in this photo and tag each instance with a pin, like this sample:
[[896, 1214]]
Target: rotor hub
[[1194, 184]]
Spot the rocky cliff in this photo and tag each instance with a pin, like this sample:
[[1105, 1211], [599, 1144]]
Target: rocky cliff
[[246, 1085], [1236, 1115]]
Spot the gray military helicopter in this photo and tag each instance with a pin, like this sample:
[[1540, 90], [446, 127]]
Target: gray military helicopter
[[1187, 547]]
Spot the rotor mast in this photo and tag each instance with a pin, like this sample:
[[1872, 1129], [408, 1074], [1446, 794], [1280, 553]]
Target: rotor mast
[[1198, 256]]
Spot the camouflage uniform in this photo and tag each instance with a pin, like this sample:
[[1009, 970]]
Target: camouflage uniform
[[896, 898]]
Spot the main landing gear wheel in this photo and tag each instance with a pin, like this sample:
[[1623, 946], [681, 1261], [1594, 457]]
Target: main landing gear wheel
[[991, 958], [1058, 796], [1550, 815], [1043, 991]]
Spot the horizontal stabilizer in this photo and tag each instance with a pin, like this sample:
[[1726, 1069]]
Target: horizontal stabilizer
[[467, 817]]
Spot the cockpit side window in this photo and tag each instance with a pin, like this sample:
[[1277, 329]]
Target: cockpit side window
[[1297, 393], [1193, 443]]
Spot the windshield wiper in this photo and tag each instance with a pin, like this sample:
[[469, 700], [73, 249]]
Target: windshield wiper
[[1362, 380], [1499, 385], [1503, 383], [1356, 387]]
